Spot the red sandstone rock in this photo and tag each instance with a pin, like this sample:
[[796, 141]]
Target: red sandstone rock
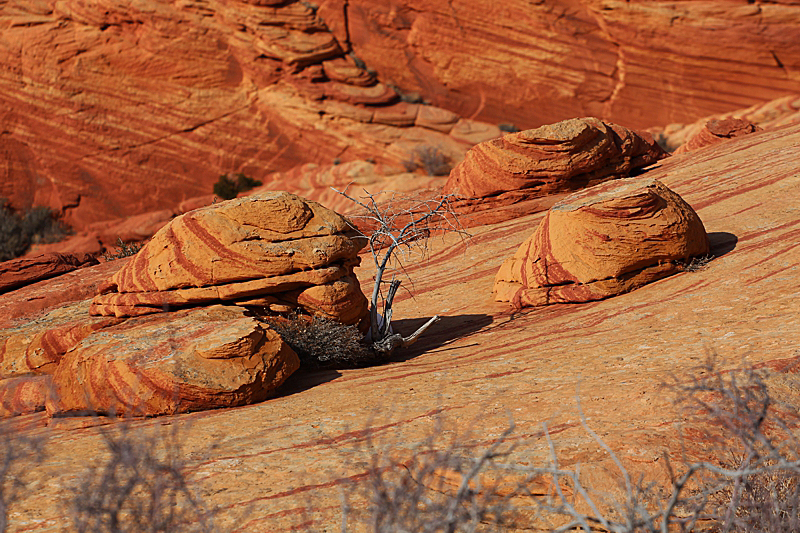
[[19, 272], [107, 115], [531, 166], [273, 245], [316, 182], [483, 361], [766, 115], [717, 130], [37, 348], [173, 363], [50, 294], [635, 63], [601, 242]]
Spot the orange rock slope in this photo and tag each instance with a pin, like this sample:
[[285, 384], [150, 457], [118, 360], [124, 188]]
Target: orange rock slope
[[638, 63], [281, 465]]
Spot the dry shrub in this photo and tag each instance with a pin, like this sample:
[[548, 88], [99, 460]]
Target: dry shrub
[[124, 249], [18, 454], [429, 158], [142, 487], [19, 230], [323, 343]]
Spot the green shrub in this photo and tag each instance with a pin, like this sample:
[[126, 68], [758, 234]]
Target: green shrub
[[228, 188], [19, 231]]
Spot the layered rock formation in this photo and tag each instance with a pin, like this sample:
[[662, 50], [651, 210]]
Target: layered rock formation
[[539, 166], [765, 115], [638, 63], [106, 114], [20, 272], [272, 249], [165, 364], [717, 130], [483, 360], [601, 242], [316, 182]]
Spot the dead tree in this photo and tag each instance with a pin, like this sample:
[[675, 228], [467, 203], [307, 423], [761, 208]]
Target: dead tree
[[398, 227]]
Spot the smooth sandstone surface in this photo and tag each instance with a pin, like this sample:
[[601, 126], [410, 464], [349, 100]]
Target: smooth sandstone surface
[[174, 363], [529, 171], [601, 242], [274, 245], [278, 464], [638, 63]]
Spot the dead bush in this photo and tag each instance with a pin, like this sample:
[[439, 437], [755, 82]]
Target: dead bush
[[19, 230], [141, 487], [124, 249], [323, 343], [429, 158]]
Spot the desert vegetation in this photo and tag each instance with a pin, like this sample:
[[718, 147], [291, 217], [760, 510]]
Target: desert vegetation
[[19, 230], [123, 249], [430, 159], [143, 482], [397, 231], [228, 188]]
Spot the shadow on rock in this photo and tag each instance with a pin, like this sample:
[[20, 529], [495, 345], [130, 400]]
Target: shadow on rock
[[445, 331], [722, 242], [306, 378]]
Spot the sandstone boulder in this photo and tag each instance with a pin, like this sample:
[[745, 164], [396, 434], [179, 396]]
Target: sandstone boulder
[[535, 166], [172, 363], [272, 249], [37, 347], [764, 115], [24, 271], [600, 242], [23, 395], [716, 130]]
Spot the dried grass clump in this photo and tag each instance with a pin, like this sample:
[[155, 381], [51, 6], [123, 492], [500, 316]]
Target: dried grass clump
[[323, 343]]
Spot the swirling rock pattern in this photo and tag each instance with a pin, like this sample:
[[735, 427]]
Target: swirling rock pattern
[[106, 114], [272, 249], [186, 361], [600, 242], [534, 165]]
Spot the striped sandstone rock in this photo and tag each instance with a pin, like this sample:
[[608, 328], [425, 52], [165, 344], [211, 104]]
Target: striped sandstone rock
[[172, 363], [272, 249], [604, 241], [532, 169]]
